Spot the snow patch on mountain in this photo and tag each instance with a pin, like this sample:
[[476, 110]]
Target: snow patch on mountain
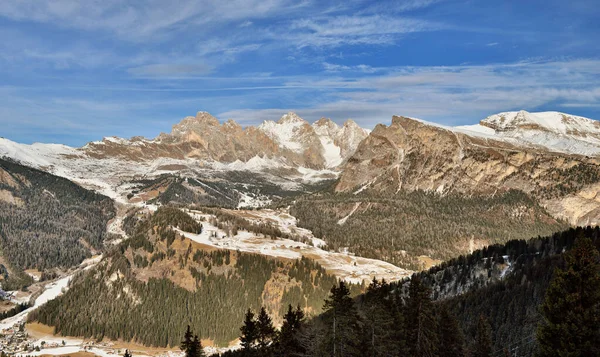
[[286, 131], [552, 131], [348, 267]]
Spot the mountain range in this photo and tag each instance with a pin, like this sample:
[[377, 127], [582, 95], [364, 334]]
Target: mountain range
[[551, 156]]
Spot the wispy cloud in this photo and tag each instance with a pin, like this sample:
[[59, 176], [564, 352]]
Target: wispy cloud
[[332, 67], [140, 65], [354, 30], [140, 20]]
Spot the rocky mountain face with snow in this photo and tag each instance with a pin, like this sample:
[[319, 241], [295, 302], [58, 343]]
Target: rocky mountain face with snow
[[551, 156], [289, 154], [291, 141]]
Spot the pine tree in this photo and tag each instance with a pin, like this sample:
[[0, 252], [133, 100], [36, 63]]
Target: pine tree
[[343, 335], [191, 345], [421, 323], [265, 328], [571, 309], [127, 354], [249, 332], [483, 339], [288, 343], [196, 350], [383, 324], [452, 340], [187, 340]]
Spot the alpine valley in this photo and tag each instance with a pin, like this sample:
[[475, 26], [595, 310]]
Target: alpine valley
[[121, 243]]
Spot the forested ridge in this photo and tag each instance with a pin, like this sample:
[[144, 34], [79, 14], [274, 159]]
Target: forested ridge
[[420, 223], [47, 221], [516, 315], [154, 282]]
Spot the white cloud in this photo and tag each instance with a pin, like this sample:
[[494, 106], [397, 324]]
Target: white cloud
[[353, 30], [364, 68], [459, 94], [141, 20]]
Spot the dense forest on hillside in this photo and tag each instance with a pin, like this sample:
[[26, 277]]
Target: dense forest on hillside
[[504, 282], [500, 317], [47, 221], [420, 223], [156, 281]]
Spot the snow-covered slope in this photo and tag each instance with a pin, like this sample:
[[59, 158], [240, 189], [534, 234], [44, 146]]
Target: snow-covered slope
[[345, 266], [288, 152], [554, 131]]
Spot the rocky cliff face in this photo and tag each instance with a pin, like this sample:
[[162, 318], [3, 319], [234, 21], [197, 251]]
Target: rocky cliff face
[[287, 155], [291, 141], [411, 154]]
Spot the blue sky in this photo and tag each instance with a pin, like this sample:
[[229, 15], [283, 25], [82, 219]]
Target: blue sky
[[74, 71]]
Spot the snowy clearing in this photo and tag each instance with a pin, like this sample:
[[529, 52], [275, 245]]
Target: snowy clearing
[[345, 266]]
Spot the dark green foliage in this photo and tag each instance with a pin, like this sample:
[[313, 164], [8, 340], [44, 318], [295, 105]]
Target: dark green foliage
[[383, 328], [421, 324], [54, 222], [175, 217], [266, 330], [188, 336], [571, 309], [288, 343], [14, 311], [127, 354], [191, 345], [148, 310], [452, 340], [483, 339], [420, 223], [342, 339], [249, 332]]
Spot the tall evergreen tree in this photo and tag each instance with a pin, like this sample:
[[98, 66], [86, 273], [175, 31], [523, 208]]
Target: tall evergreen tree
[[571, 310], [266, 331], [344, 330], [483, 339], [452, 340], [383, 325], [249, 332], [196, 350], [127, 354], [187, 340], [288, 343], [191, 345], [422, 336]]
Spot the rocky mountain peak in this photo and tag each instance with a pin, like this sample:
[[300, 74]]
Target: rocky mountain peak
[[194, 124], [554, 122], [291, 118], [351, 124]]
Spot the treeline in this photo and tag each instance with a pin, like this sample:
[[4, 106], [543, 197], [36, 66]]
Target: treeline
[[512, 302], [379, 323], [48, 221], [147, 286], [548, 306], [409, 224]]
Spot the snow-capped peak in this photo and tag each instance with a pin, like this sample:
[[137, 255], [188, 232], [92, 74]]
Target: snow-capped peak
[[292, 118], [554, 131], [556, 122]]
